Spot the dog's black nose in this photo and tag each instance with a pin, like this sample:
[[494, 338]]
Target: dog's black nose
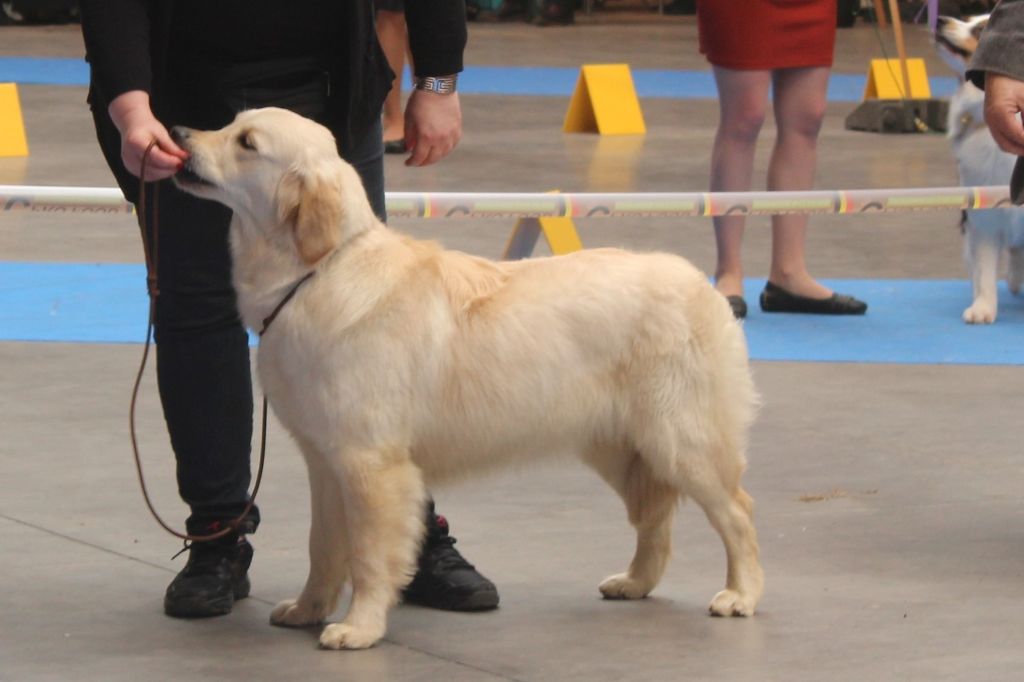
[[179, 134], [941, 21]]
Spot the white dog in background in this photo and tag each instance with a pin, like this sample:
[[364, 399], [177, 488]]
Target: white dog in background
[[987, 233], [400, 364]]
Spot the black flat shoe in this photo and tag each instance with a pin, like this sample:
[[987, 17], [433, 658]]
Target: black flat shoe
[[775, 299], [394, 146], [738, 305]]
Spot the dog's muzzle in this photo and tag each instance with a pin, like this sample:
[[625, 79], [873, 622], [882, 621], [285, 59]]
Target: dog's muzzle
[[187, 177]]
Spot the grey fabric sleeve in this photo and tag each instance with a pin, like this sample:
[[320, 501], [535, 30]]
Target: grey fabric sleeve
[[1001, 47]]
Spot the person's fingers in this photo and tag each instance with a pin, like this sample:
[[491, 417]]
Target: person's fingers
[[432, 147], [168, 145], [424, 154], [1006, 143], [164, 159], [1005, 124], [1004, 101], [433, 156], [163, 167], [418, 154], [159, 164], [165, 146]]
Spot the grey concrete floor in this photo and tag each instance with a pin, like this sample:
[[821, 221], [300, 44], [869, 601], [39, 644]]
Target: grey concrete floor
[[888, 497]]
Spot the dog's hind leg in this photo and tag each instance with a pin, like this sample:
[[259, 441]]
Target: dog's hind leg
[[1015, 273], [383, 496], [730, 510], [328, 563], [651, 505]]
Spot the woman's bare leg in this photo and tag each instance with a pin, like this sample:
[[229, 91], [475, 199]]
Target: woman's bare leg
[[799, 97], [743, 101]]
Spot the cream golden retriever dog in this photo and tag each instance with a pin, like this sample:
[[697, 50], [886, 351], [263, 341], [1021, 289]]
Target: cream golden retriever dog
[[399, 365]]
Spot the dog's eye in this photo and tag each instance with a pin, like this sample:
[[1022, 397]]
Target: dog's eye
[[245, 142]]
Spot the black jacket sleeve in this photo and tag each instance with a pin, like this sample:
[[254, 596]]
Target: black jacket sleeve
[[437, 35], [117, 44], [1001, 47]]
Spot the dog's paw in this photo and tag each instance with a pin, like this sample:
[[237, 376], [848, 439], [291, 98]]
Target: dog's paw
[[731, 603], [621, 586], [345, 636], [290, 613], [980, 312]]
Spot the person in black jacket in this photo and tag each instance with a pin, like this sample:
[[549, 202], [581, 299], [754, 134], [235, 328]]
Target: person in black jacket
[[998, 68], [160, 63]]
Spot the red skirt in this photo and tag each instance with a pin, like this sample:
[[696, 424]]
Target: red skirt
[[767, 34]]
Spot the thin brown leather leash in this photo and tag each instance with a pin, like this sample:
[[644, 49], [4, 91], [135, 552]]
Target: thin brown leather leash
[[152, 282]]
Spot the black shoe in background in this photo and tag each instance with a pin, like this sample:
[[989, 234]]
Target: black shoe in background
[[775, 299], [444, 579], [215, 577]]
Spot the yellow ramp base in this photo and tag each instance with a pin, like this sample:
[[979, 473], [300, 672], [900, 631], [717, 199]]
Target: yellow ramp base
[[604, 102], [885, 80], [12, 129], [560, 234]]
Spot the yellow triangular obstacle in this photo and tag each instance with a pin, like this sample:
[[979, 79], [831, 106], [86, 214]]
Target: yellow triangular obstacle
[[560, 234], [12, 128], [885, 80], [605, 102]]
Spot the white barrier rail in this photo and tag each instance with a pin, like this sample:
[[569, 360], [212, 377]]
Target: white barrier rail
[[37, 199]]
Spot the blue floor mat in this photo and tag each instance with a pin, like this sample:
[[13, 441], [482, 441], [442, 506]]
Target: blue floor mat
[[909, 321], [494, 80]]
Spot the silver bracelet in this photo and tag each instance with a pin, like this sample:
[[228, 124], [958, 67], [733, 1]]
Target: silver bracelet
[[442, 85]]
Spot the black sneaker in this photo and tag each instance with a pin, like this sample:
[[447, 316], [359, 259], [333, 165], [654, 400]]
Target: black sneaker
[[214, 578], [444, 579]]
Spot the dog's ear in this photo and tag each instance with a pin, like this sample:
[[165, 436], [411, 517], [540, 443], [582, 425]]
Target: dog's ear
[[310, 204]]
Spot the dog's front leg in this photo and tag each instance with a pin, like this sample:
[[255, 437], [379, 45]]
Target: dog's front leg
[[328, 551], [983, 249], [383, 495]]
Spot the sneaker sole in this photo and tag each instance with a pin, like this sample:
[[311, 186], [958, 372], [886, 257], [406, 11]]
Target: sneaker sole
[[207, 608], [481, 600]]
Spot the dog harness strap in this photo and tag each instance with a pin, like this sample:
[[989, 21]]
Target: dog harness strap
[[284, 301]]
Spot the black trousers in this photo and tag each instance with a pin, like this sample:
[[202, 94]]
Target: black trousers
[[203, 368]]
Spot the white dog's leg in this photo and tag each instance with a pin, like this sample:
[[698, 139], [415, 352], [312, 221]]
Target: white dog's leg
[[731, 515], [651, 506], [1015, 274], [983, 256], [384, 501], [328, 552]]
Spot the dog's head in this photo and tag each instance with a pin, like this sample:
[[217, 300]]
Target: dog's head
[[282, 176], [958, 39]]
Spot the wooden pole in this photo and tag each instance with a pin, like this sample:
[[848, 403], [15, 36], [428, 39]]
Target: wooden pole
[[880, 14], [901, 48]]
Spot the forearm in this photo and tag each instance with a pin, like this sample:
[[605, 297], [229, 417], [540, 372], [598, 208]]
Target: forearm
[[128, 108], [437, 35], [117, 35]]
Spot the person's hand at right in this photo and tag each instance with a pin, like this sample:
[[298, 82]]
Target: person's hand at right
[[139, 127], [1004, 102]]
